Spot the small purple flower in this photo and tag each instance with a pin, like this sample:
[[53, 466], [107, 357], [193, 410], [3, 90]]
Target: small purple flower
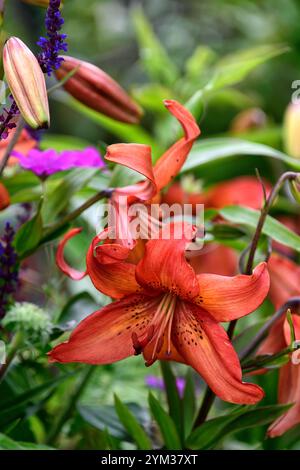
[[46, 162], [157, 383], [8, 268], [55, 42]]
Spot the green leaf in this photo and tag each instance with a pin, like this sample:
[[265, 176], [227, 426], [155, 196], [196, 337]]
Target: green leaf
[[6, 443], [202, 57], [21, 405], [105, 417], [29, 234], [151, 96], [153, 55], [234, 68], [132, 426], [189, 403], [212, 431], [213, 150], [59, 190], [61, 142], [272, 227], [76, 309], [174, 402], [124, 132], [165, 424]]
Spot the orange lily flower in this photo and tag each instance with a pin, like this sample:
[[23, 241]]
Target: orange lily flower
[[4, 197], [118, 255], [172, 314]]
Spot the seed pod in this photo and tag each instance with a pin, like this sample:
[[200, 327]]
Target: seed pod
[[97, 90], [27, 83]]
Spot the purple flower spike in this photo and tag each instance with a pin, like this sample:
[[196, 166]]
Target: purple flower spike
[[46, 162], [55, 42], [8, 268], [7, 119]]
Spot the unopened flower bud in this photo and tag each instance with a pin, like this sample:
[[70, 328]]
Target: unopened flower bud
[[97, 90], [292, 130], [4, 197], [38, 3], [27, 83], [250, 119], [295, 188]]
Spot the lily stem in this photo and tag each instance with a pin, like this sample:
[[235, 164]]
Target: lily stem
[[288, 176], [207, 402], [76, 213], [12, 143], [67, 412], [14, 348], [293, 302]]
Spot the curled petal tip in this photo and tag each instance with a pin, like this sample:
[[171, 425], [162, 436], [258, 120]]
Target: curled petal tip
[[60, 260]]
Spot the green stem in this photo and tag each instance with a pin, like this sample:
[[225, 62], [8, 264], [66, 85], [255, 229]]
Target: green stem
[[207, 402], [13, 350], [70, 407], [288, 176], [12, 143], [263, 361], [76, 213], [261, 334]]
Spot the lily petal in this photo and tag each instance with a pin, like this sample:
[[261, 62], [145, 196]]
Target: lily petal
[[289, 392], [205, 346], [109, 271], [241, 191], [60, 260], [228, 298], [105, 336], [285, 279], [170, 163], [138, 158], [165, 268]]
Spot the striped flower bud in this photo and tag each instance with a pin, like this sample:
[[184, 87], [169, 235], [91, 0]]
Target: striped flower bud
[[27, 83], [97, 90], [291, 130]]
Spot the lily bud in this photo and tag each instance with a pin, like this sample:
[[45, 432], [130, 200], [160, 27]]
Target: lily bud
[[39, 3], [250, 119], [27, 83], [97, 90], [295, 188], [4, 197], [292, 130]]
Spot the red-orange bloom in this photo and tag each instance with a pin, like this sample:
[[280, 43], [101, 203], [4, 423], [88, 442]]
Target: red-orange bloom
[[119, 254], [170, 313], [4, 197], [240, 191]]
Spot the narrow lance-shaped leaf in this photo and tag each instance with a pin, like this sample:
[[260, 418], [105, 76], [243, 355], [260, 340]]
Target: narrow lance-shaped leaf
[[272, 227], [165, 424], [132, 426]]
